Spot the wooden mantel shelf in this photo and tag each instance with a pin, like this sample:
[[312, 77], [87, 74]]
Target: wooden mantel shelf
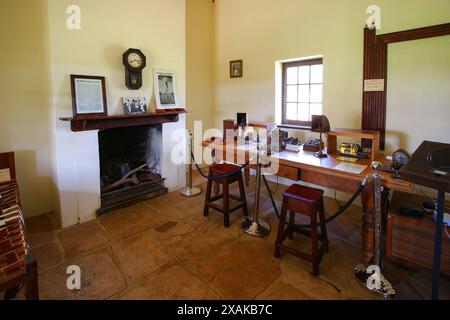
[[78, 124]]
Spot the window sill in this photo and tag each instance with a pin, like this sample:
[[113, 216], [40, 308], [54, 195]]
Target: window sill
[[295, 127]]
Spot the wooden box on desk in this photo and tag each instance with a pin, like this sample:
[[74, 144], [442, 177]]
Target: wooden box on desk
[[372, 135], [410, 240], [313, 147]]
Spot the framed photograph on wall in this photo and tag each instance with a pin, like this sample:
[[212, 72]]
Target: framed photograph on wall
[[88, 96], [236, 69], [165, 88], [134, 105]]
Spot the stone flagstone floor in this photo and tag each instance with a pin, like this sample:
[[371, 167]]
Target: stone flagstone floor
[[165, 249]]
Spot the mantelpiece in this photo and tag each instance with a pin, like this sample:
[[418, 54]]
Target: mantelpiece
[[109, 122]]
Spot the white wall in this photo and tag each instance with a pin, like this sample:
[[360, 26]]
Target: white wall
[[108, 29], [262, 32], [418, 96]]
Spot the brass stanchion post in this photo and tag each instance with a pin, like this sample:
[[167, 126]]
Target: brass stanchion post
[[256, 227], [372, 277], [190, 191]]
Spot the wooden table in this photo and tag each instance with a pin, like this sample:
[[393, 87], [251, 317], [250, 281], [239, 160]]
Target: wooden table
[[305, 167]]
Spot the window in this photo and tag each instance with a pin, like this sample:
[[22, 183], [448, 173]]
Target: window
[[302, 91]]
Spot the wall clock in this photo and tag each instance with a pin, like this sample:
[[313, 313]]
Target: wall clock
[[134, 61]]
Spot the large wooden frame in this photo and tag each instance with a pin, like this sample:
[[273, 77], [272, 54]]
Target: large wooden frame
[[375, 67]]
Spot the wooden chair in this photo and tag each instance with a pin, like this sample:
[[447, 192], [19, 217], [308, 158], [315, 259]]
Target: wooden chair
[[307, 201], [17, 266], [219, 170]]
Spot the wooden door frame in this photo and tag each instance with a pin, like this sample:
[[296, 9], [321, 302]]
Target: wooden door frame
[[375, 67]]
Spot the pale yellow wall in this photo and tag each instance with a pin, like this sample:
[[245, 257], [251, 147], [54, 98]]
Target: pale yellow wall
[[418, 100], [39, 53], [108, 29], [198, 40], [262, 32], [25, 108], [200, 62]]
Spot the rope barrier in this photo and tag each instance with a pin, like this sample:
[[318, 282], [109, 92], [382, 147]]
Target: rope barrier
[[339, 212], [223, 176]]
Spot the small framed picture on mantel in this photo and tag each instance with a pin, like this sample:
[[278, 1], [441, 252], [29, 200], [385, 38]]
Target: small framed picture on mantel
[[88, 96], [165, 88], [134, 105]]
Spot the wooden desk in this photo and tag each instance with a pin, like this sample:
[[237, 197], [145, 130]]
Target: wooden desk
[[305, 167]]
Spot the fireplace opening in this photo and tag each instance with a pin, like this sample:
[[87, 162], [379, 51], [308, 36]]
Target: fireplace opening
[[130, 166]]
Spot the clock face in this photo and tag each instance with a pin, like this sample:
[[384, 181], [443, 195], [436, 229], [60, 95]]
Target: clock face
[[400, 157], [134, 60]]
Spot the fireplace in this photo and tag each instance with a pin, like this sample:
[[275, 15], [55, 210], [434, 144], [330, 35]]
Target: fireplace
[[130, 166]]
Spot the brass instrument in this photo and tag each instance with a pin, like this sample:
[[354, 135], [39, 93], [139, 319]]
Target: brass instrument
[[350, 149]]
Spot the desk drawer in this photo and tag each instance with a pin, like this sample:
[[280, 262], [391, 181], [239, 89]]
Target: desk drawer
[[289, 173]]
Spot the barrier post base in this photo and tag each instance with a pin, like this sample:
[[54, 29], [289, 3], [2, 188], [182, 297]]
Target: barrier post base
[[374, 282], [190, 192], [256, 228]]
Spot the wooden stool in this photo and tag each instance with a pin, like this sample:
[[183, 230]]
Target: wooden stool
[[306, 201], [219, 170]]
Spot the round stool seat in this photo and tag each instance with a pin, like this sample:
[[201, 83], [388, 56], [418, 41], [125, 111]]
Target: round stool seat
[[304, 193]]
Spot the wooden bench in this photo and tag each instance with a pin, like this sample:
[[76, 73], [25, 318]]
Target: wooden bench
[[18, 268]]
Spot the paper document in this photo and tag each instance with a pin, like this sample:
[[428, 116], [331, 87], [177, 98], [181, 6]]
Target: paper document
[[89, 95], [5, 175], [350, 167]]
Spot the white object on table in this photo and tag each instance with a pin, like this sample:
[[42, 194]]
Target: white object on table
[[350, 167], [293, 147]]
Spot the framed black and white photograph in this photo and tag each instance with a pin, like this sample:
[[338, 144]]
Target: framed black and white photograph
[[134, 105], [88, 96], [236, 69], [165, 88]]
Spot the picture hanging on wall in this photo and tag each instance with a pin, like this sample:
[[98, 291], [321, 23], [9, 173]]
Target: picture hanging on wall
[[134, 105], [165, 88], [236, 69], [88, 96]]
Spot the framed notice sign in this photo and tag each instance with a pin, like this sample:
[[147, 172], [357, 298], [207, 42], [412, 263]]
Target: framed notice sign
[[374, 85], [88, 96], [5, 175]]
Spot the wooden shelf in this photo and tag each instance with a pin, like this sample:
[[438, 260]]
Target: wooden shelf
[[358, 134], [78, 124]]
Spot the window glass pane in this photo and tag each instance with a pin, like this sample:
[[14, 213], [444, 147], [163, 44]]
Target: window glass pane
[[303, 75], [303, 112], [303, 93], [317, 73], [316, 93], [316, 108], [291, 75], [291, 93], [291, 111]]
